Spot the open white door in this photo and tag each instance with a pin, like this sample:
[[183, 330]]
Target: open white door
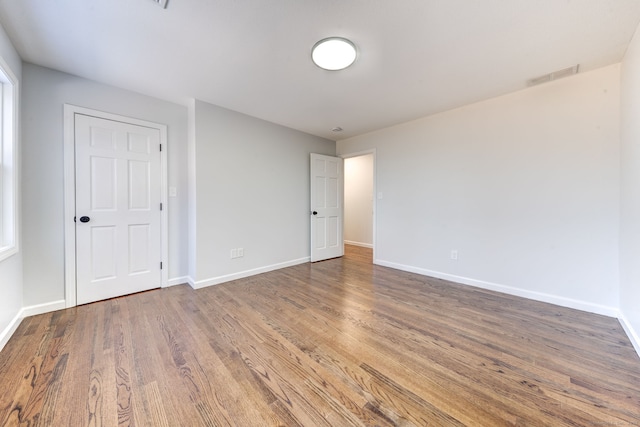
[[327, 184], [118, 219]]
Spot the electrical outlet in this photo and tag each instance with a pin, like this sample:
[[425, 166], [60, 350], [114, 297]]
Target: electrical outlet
[[237, 253], [454, 255]]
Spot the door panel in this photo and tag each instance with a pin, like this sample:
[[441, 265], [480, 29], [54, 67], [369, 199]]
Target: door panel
[[103, 184], [118, 250], [103, 253], [327, 180], [139, 255], [139, 185]]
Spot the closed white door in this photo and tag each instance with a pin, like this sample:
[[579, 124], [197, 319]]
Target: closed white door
[[327, 183], [118, 222]]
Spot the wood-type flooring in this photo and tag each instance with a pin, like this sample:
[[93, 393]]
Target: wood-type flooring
[[336, 343]]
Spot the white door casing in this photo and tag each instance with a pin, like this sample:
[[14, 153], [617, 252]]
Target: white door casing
[[327, 186], [118, 183]]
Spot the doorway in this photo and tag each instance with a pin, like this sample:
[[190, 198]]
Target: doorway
[[359, 203], [115, 205]]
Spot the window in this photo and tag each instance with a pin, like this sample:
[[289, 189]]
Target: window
[[8, 162]]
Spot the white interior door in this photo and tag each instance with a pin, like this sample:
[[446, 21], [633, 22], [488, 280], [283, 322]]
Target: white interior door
[[327, 183], [118, 196]]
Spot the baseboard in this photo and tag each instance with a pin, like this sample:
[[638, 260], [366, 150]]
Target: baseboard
[[247, 273], [537, 296], [633, 335], [177, 281], [6, 334], [33, 310], [364, 245], [191, 282]]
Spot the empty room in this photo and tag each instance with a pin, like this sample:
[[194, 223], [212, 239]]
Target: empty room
[[320, 213]]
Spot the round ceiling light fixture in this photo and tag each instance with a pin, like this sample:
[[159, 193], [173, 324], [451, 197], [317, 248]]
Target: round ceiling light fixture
[[333, 53]]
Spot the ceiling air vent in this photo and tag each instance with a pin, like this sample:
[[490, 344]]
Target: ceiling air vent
[[565, 72], [162, 3]]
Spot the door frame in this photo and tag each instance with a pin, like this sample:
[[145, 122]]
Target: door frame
[[375, 192], [70, 194]]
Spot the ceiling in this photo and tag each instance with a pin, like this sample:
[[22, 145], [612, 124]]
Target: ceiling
[[415, 57]]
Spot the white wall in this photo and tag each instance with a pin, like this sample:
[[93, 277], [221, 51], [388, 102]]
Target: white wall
[[524, 186], [630, 191], [358, 200], [11, 268], [252, 180], [192, 190], [45, 91]]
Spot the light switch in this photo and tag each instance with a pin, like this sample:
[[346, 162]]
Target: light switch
[[173, 191]]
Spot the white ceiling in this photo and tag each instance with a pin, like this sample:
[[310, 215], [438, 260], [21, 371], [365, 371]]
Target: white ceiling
[[416, 57]]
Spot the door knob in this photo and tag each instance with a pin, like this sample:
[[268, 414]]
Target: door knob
[[314, 212], [85, 219]]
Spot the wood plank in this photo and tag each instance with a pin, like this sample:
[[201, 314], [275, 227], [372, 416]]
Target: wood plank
[[337, 343]]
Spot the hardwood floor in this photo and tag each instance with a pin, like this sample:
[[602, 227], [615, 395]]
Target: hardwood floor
[[336, 343]]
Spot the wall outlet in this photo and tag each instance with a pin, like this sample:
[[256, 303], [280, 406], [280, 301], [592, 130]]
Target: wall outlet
[[454, 255], [237, 253]]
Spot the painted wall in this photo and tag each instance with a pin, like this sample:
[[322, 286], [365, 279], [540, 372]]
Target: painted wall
[[45, 91], [252, 180], [630, 190], [524, 186], [11, 268], [358, 200], [192, 186]]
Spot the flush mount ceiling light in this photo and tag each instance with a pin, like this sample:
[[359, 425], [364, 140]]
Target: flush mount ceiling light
[[333, 53]]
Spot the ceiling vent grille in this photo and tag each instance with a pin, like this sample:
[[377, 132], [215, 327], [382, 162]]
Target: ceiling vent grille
[[162, 3], [565, 72]]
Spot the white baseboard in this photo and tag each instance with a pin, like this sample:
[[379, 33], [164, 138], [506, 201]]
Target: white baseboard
[[537, 296], [10, 329], [191, 282], [177, 281], [633, 335], [247, 273], [31, 310], [364, 245]]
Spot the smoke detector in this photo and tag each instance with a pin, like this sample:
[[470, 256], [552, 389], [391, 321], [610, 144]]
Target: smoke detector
[[565, 72]]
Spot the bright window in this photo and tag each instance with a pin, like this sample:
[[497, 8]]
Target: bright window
[[8, 162]]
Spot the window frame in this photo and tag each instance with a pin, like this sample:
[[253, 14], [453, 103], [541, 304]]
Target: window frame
[[9, 202]]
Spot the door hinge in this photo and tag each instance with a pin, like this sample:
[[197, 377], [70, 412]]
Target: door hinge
[[160, 147], [160, 265], [160, 206], [74, 219]]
